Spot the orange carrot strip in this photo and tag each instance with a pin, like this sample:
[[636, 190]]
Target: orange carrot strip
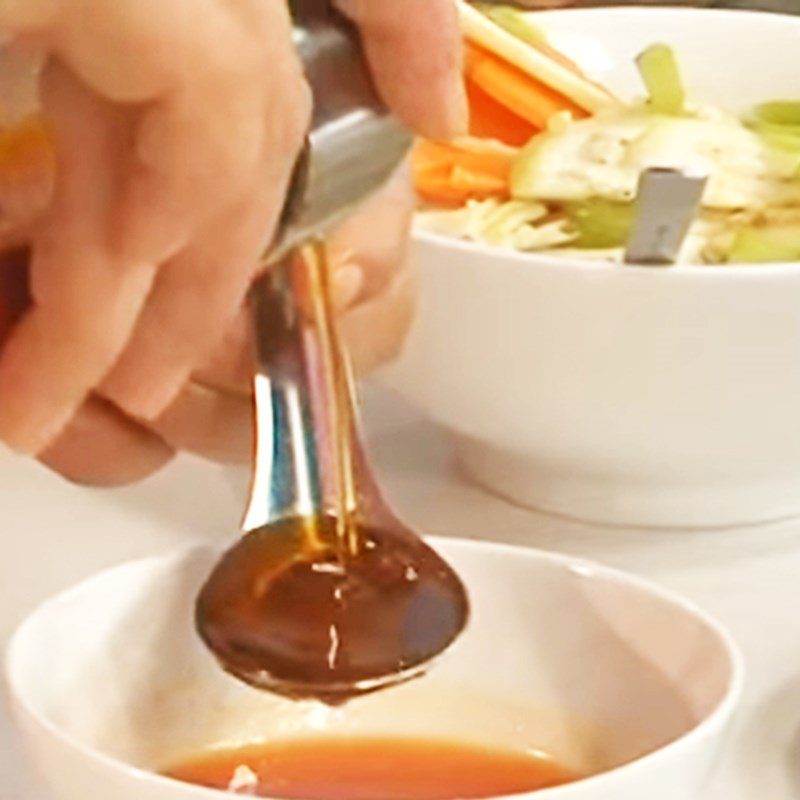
[[427, 153], [477, 183], [435, 188], [515, 90], [490, 120], [440, 190], [444, 173]]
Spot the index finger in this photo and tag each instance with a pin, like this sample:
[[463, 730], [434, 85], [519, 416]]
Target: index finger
[[414, 51]]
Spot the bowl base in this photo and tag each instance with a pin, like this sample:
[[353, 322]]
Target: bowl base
[[644, 501]]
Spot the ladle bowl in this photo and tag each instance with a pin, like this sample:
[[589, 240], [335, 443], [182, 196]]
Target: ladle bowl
[[310, 626], [329, 594]]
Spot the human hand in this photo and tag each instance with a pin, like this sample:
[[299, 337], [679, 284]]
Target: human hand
[[373, 291], [176, 123]]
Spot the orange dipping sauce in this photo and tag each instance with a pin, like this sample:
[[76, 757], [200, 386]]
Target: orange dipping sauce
[[372, 769]]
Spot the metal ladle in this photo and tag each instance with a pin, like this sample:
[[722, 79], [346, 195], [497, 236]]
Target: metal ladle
[[328, 595]]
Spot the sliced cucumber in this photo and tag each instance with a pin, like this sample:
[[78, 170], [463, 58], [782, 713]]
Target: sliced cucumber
[[778, 123], [531, 165], [784, 113]]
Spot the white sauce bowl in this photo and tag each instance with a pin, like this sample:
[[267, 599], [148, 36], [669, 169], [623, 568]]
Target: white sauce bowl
[[603, 671]]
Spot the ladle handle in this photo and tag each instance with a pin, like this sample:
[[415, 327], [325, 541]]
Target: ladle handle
[[286, 476]]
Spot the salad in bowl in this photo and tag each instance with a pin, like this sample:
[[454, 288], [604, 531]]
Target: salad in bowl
[[554, 158], [627, 394]]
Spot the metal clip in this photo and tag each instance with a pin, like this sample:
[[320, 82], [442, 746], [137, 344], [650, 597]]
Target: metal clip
[[666, 205]]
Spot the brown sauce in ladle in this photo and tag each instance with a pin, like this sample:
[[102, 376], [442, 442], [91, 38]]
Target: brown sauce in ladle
[[343, 601]]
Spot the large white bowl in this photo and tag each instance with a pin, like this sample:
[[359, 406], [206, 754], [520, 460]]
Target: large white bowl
[[667, 397], [604, 671]]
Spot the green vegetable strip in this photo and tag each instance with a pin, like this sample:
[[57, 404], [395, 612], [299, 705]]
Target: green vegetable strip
[[601, 224], [783, 138], [766, 245], [662, 79], [784, 113], [779, 125]]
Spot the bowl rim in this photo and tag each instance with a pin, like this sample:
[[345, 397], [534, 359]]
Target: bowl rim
[[715, 720], [661, 9], [586, 266], [549, 261]]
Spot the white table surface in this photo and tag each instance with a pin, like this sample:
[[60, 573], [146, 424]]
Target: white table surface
[[54, 534]]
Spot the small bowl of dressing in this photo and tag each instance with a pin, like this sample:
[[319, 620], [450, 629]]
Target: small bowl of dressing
[[571, 682]]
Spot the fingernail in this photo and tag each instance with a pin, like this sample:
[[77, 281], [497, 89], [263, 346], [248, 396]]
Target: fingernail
[[346, 285]]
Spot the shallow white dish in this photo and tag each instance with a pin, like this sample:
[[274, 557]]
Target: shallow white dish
[[628, 396], [602, 670]]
